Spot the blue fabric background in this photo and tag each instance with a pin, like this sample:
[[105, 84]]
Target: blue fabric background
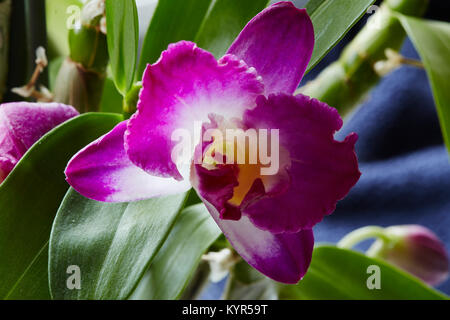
[[405, 166]]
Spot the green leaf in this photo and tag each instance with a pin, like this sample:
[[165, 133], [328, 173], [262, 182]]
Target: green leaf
[[332, 19], [113, 244], [342, 274], [173, 20], [31, 194], [224, 22], [111, 98], [192, 235], [123, 36], [432, 41], [34, 283]]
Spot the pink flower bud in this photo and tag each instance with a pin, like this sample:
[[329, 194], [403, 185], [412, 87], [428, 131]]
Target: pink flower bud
[[415, 249]]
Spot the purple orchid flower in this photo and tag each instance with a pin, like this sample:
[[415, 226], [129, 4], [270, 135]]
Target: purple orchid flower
[[24, 123], [267, 218]]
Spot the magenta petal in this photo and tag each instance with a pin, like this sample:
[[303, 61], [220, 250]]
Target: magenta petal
[[24, 123], [216, 187], [6, 166], [322, 170], [102, 171], [282, 257], [180, 90], [278, 42]]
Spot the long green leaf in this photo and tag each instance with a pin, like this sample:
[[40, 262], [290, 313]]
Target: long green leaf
[[31, 194], [111, 98], [123, 37], [193, 233], [224, 22], [33, 285], [332, 19], [112, 243], [432, 41]]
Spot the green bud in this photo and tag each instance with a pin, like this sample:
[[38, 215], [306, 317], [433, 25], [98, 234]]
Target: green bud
[[89, 48]]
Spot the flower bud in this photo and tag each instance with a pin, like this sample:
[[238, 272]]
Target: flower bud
[[220, 263], [384, 67], [88, 47], [79, 87], [92, 10], [414, 249], [41, 57]]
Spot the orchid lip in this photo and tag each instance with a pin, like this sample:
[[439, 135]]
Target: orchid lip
[[228, 144]]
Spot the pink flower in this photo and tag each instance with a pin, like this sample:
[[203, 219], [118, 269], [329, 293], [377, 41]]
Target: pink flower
[[268, 218], [22, 124]]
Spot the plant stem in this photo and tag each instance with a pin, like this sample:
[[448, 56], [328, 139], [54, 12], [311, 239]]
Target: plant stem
[[131, 99], [412, 62], [359, 235], [79, 87], [346, 82]]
